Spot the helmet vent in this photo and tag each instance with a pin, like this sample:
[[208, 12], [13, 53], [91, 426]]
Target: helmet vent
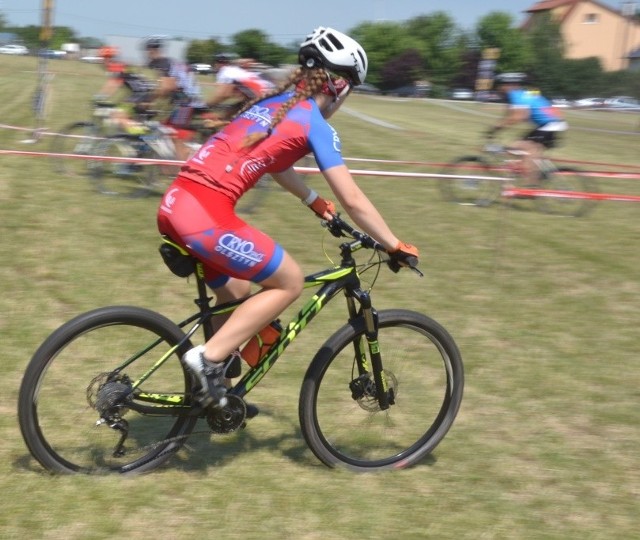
[[325, 45], [336, 42]]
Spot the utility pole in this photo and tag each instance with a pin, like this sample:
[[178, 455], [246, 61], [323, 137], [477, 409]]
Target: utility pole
[[40, 96]]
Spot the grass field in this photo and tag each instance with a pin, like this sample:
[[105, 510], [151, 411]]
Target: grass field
[[545, 310]]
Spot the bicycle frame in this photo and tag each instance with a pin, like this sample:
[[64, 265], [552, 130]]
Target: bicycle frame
[[331, 281]]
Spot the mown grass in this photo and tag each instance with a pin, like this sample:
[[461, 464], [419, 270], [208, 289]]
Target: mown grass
[[545, 311]]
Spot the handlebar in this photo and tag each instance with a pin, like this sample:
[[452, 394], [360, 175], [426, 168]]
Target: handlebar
[[340, 228]]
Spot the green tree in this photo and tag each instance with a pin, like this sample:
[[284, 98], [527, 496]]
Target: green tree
[[256, 44], [402, 70], [383, 42], [30, 36], [547, 64], [203, 50], [442, 45], [497, 29]]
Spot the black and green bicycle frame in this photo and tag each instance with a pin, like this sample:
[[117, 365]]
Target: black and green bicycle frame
[[345, 278]]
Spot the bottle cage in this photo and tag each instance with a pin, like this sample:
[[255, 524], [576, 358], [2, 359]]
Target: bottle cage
[[177, 259]]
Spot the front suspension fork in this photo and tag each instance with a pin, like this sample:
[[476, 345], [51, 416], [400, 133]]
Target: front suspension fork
[[370, 316]]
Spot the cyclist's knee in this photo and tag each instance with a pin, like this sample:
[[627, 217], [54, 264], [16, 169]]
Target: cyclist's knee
[[288, 277]]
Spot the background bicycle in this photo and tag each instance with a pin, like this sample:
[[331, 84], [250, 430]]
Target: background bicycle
[[131, 169], [106, 392], [494, 175], [81, 138]]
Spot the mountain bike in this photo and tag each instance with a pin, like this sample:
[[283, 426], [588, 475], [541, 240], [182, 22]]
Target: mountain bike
[[496, 174], [139, 165], [107, 392]]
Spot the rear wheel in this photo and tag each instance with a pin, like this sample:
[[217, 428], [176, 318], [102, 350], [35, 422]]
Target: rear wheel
[[77, 399], [472, 181], [566, 189]]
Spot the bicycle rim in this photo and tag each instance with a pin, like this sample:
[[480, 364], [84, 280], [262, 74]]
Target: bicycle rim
[[567, 180], [115, 177], [77, 139], [57, 403], [424, 368], [476, 184]]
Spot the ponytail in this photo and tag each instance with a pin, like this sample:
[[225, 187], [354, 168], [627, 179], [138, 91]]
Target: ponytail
[[312, 81]]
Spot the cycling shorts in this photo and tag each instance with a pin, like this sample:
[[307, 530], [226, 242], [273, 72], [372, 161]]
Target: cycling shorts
[[203, 221], [548, 139]]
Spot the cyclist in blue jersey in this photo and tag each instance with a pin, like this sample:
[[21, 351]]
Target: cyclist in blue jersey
[[527, 106], [267, 136]]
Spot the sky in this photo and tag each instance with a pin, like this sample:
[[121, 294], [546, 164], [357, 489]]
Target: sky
[[284, 21]]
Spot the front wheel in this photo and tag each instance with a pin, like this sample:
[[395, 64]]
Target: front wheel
[[77, 397], [113, 175], [471, 180], [341, 421], [77, 139], [567, 193]]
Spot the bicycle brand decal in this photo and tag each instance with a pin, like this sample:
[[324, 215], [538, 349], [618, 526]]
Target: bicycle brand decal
[[293, 329]]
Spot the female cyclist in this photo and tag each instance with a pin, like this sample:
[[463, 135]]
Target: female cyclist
[[267, 136]]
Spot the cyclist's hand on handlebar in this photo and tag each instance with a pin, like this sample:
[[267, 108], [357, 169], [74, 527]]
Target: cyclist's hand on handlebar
[[323, 208], [403, 255]]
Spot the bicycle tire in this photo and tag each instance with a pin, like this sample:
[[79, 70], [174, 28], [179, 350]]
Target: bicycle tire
[[567, 179], [466, 189], [79, 138], [422, 363], [129, 179], [57, 420]]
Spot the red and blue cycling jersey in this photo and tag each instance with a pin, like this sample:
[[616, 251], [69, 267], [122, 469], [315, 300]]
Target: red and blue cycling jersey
[[197, 211], [223, 164], [540, 109]]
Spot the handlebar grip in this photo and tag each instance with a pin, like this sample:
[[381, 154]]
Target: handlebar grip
[[411, 261]]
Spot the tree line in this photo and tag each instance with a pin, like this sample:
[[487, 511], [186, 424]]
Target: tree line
[[429, 48]]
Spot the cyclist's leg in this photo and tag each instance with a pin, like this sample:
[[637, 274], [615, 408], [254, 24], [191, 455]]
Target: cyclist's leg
[[279, 291], [203, 221], [531, 151]]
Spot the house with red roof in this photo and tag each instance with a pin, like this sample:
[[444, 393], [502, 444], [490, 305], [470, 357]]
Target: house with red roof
[[590, 28]]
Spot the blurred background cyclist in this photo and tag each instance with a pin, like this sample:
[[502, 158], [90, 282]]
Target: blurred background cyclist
[[528, 106], [235, 83]]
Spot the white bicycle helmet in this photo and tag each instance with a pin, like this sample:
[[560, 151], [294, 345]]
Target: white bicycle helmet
[[328, 48]]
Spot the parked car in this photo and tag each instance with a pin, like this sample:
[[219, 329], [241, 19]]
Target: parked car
[[590, 102], [51, 53], [622, 102], [561, 103], [366, 88], [204, 69], [410, 91], [461, 93], [92, 59], [13, 49]]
